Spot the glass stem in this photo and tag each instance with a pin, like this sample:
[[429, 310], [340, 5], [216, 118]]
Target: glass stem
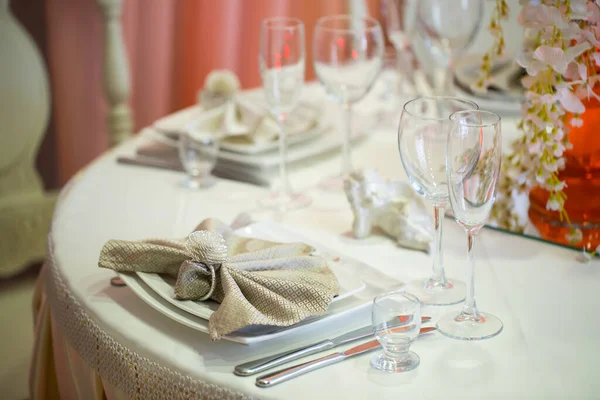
[[447, 85], [405, 74], [346, 120], [284, 187], [470, 307], [438, 278]]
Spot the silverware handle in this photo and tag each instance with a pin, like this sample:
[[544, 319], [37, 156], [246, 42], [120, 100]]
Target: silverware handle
[[297, 370], [263, 364]]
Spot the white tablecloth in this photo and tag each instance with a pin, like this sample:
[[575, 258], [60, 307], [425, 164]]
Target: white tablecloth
[[547, 300]]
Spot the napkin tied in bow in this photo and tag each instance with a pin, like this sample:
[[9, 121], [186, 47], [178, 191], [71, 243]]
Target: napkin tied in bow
[[256, 282]]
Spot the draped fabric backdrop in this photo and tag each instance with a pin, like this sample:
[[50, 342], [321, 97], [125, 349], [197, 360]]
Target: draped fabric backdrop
[[172, 45]]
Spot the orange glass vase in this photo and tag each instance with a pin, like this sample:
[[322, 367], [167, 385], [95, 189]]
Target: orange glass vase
[[582, 176]]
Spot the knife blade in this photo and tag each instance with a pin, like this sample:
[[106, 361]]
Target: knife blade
[[263, 364], [301, 369]]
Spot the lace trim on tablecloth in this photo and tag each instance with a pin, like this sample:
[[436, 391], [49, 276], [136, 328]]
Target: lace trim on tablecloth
[[134, 375]]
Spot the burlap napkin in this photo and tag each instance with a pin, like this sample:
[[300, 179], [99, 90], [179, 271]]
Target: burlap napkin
[[257, 282]]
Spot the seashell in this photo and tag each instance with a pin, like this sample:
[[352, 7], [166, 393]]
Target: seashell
[[391, 206]]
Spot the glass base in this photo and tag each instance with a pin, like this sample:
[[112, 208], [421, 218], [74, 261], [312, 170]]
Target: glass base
[[200, 182], [464, 327], [283, 201], [384, 363], [432, 293]]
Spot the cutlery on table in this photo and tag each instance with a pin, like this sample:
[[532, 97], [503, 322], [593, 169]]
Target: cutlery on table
[[263, 364], [300, 369], [220, 171]]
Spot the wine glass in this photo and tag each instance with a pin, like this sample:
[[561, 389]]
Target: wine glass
[[281, 60], [473, 166], [448, 27], [422, 142], [396, 318], [398, 21], [347, 55], [198, 152]]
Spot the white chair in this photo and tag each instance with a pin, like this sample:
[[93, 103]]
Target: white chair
[[25, 208]]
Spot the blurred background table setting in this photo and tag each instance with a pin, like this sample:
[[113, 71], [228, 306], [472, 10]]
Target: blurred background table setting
[[248, 244]]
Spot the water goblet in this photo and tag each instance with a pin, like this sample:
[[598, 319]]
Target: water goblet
[[347, 56], [422, 142], [281, 60], [448, 27], [198, 153], [473, 166], [396, 323]]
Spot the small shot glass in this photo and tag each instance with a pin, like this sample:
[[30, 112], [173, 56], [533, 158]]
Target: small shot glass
[[396, 323], [198, 153]]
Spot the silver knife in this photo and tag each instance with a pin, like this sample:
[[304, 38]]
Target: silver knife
[[263, 364], [301, 369]]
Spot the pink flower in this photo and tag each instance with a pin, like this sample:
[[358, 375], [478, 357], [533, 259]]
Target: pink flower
[[575, 236], [576, 122], [532, 65], [582, 71], [551, 166], [552, 56], [556, 57], [596, 57], [556, 187], [535, 147], [536, 15], [577, 50], [553, 205], [527, 81], [569, 101], [558, 134], [558, 149], [579, 9]]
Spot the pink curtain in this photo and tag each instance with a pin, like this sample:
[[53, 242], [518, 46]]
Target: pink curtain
[[171, 44]]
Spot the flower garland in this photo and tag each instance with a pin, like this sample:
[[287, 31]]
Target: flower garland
[[560, 56]]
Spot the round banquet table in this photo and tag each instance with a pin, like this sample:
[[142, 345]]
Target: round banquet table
[[94, 340]]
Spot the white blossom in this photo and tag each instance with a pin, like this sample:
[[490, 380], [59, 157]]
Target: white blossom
[[575, 236]]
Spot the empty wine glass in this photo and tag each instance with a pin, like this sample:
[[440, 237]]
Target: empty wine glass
[[399, 23], [422, 142], [347, 55], [198, 152], [448, 27], [396, 318], [473, 166], [281, 60]]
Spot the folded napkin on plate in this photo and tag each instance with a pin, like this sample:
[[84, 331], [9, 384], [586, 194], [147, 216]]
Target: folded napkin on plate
[[244, 120], [256, 282]]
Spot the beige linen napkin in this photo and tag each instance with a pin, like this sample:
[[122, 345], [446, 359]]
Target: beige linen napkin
[[245, 120], [257, 282]]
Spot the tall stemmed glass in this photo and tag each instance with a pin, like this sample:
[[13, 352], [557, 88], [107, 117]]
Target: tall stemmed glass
[[398, 20], [473, 166], [448, 27], [422, 141], [282, 63], [347, 54]]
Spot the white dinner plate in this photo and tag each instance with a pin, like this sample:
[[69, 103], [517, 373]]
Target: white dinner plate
[[172, 125], [164, 285], [248, 335], [375, 281]]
